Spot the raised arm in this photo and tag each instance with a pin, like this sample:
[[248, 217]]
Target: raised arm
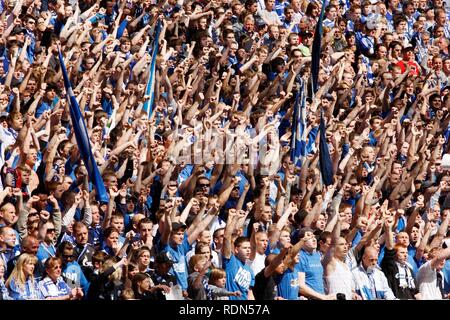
[[227, 246]]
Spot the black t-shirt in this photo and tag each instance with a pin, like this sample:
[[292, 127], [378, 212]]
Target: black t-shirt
[[264, 288]]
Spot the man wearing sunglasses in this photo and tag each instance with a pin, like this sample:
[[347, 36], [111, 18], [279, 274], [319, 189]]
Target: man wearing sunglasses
[[47, 248]]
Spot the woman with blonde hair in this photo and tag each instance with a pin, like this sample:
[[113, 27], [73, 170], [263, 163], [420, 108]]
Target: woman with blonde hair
[[21, 282]]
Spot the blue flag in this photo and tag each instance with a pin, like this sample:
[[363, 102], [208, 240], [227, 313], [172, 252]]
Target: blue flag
[[150, 89], [326, 166], [82, 137], [315, 54], [298, 141]]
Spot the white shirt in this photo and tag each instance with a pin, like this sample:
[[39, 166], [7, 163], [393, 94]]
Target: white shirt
[[256, 264], [426, 279], [215, 258], [340, 281], [270, 17]]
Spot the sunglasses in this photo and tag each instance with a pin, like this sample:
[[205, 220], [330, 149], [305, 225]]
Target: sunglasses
[[203, 185], [50, 230], [67, 256]]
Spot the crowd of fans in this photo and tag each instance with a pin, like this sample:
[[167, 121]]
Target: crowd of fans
[[205, 202]]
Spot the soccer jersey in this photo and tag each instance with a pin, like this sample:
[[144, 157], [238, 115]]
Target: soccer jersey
[[288, 284], [312, 267], [239, 277], [178, 255], [51, 289]]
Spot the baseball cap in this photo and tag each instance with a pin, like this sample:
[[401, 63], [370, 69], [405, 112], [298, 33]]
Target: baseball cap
[[445, 162], [4, 114], [163, 257], [17, 30], [371, 24], [408, 48], [178, 225]]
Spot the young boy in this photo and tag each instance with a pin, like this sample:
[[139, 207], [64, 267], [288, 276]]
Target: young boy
[[217, 282]]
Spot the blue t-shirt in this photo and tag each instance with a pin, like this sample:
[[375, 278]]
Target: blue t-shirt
[[74, 276], [311, 265], [288, 284], [446, 271], [178, 255], [239, 277]]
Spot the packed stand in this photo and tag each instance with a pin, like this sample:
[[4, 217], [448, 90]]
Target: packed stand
[[205, 202]]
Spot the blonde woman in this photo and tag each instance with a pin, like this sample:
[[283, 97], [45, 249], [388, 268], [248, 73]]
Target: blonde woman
[[4, 294], [21, 282]]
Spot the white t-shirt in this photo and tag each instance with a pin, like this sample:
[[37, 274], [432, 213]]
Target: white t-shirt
[[426, 279], [257, 264], [215, 258], [270, 17]]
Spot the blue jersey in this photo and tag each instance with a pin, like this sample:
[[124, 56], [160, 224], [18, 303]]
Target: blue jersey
[[446, 271], [178, 255], [74, 276], [288, 284], [49, 288], [311, 265], [29, 291], [239, 277]]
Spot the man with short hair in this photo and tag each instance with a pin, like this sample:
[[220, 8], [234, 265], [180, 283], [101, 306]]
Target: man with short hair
[[430, 276], [395, 266], [240, 277], [83, 250], [259, 242], [49, 235], [145, 228], [176, 240], [310, 268], [161, 276], [8, 215], [8, 247], [370, 282]]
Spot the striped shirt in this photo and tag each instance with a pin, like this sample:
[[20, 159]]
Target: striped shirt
[[48, 288], [372, 285], [30, 291]]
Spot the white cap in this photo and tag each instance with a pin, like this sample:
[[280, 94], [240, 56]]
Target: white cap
[[445, 162], [371, 24]]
